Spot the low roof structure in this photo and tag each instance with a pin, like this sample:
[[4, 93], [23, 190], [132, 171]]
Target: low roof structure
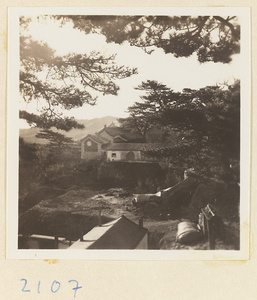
[[118, 234], [135, 146], [126, 146]]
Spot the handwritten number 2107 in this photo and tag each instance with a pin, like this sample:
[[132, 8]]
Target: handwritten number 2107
[[55, 287]]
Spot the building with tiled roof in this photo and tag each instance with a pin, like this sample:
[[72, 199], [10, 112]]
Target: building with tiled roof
[[114, 143], [131, 151]]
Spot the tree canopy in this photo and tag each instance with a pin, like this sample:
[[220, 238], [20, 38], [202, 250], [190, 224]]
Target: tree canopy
[[56, 139], [144, 114], [212, 38], [206, 123], [63, 82]]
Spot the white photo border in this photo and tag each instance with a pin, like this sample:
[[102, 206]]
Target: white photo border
[[12, 251]]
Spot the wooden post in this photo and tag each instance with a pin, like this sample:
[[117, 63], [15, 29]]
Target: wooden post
[[56, 242], [209, 217], [81, 231], [100, 217], [210, 234]]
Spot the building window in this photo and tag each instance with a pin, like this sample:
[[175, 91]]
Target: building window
[[89, 143], [113, 155]]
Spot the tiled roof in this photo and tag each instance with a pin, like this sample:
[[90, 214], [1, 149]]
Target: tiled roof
[[112, 131], [119, 131], [131, 137], [126, 146], [96, 138], [136, 146]]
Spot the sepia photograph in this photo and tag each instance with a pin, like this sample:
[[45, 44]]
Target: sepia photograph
[[132, 131]]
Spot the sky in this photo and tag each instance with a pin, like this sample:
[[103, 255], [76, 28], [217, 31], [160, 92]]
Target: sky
[[176, 73]]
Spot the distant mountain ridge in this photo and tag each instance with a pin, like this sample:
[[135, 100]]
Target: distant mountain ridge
[[91, 126]]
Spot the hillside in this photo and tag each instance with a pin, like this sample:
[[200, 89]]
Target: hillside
[[91, 126]]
